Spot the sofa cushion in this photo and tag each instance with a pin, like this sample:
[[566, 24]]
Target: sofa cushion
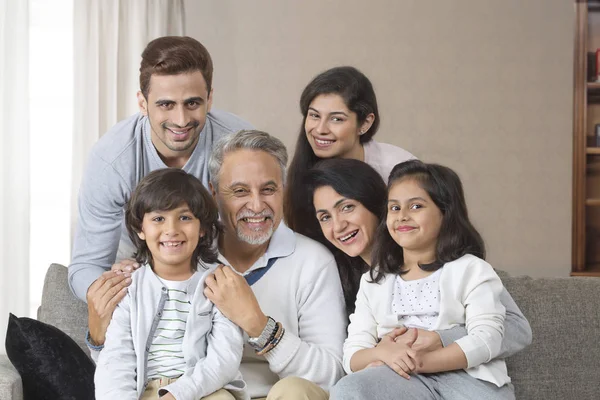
[[61, 308], [51, 364], [563, 362]]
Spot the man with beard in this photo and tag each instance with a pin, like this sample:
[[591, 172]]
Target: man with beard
[[174, 128], [280, 287]]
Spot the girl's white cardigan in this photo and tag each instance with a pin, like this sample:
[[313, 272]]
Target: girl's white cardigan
[[470, 292]]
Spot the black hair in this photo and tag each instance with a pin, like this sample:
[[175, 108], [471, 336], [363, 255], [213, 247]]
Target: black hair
[[457, 235], [357, 92], [164, 190], [354, 180]]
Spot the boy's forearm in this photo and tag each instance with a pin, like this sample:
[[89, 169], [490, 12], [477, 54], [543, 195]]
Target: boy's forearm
[[448, 358]]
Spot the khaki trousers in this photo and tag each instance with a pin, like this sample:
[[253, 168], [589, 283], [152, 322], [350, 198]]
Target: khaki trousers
[[151, 392], [294, 388]]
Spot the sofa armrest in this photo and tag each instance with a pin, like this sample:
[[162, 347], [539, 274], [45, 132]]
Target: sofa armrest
[[11, 387]]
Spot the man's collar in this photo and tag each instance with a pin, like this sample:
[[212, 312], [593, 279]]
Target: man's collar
[[281, 244]]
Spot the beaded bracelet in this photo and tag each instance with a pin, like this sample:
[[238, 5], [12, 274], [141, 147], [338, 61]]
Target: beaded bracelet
[[275, 339]]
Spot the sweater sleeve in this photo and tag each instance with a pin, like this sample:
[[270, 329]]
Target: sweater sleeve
[[100, 206], [484, 313], [315, 355], [218, 368], [517, 331], [362, 331], [115, 376]]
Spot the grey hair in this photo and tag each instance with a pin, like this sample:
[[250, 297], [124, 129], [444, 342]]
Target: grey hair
[[246, 140]]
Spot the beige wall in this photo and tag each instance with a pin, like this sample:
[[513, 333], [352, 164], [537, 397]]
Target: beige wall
[[483, 86]]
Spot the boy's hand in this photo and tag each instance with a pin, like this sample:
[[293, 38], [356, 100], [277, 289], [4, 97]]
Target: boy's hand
[[232, 295]]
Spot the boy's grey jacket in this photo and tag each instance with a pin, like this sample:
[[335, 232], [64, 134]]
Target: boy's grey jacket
[[212, 344]]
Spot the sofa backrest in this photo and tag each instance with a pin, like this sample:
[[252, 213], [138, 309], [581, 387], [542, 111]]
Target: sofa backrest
[[563, 361], [61, 308]]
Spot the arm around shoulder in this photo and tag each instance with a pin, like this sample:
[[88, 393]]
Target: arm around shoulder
[[102, 196]]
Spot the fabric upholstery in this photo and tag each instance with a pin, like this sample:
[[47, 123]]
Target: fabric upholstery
[[61, 308], [563, 362]]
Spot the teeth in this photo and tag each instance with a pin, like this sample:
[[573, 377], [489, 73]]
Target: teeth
[[178, 132], [171, 244], [323, 142], [348, 236], [254, 220]]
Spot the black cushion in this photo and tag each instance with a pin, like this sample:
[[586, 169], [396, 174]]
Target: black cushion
[[51, 364]]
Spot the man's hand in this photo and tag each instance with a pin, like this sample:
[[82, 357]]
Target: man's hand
[[167, 396], [102, 297], [232, 295], [398, 355], [126, 265]]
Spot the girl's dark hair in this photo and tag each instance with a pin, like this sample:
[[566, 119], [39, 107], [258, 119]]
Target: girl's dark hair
[[164, 190], [457, 235], [358, 94], [354, 180]]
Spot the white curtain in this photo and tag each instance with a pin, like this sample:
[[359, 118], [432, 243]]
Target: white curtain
[[14, 161], [110, 36]]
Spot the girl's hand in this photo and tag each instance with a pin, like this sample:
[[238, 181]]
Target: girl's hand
[[399, 355]]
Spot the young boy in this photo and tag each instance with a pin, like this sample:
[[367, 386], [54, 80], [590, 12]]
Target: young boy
[[166, 339]]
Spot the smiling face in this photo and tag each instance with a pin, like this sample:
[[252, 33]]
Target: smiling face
[[176, 107], [346, 223], [413, 219], [332, 129], [171, 237], [250, 195]]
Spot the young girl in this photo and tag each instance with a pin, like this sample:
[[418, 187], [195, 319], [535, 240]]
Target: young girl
[[165, 338], [428, 273], [340, 118]]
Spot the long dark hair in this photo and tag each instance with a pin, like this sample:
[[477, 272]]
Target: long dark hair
[[357, 92], [457, 235], [164, 190], [354, 180]]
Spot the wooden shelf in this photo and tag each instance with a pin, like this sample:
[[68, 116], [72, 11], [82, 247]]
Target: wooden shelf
[[590, 270], [593, 86], [592, 150], [592, 202]]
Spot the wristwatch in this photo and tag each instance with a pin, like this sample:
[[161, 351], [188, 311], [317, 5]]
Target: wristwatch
[[258, 343]]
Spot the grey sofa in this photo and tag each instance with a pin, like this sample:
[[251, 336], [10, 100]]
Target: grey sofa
[[563, 362]]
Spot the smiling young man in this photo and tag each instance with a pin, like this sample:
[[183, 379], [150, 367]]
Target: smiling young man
[[283, 289], [174, 128]]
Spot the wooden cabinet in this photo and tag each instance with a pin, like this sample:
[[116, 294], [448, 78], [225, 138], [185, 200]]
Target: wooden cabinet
[[586, 148]]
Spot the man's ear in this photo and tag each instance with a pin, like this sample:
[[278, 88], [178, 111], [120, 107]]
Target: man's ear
[[212, 190], [142, 103]]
